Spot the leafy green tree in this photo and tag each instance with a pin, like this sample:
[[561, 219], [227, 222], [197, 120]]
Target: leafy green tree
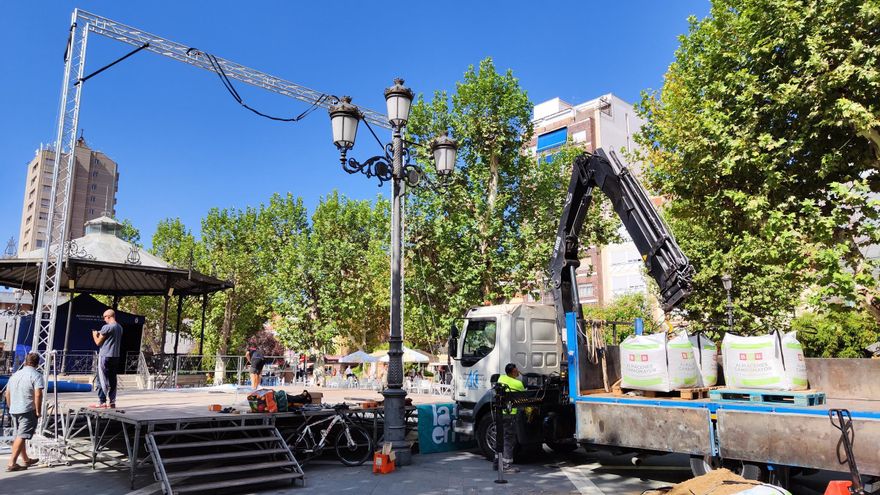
[[175, 244], [231, 250], [836, 334], [349, 264], [130, 233], [624, 308], [285, 253], [765, 137], [487, 235]]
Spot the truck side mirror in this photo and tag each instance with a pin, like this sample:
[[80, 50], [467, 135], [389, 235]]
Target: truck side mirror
[[452, 349]]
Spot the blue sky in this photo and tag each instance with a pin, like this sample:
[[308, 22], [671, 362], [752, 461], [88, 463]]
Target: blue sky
[[184, 146]]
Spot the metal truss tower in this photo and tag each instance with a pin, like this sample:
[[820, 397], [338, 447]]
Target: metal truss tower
[[82, 24]]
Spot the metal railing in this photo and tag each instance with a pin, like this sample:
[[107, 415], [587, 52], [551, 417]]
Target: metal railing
[[132, 362], [187, 370], [78, 362]]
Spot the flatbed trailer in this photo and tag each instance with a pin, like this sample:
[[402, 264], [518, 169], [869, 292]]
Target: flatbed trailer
[[767, 434]]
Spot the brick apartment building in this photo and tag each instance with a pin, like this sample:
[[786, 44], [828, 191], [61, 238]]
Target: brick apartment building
[[95, 182], [607, 122]]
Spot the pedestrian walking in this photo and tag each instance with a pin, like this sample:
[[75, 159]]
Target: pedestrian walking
[[510, 381], [24, 396], [256, 361], [109, 340]]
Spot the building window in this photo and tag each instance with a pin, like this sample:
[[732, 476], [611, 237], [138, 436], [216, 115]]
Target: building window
[[92, 199], [625, 257], [91, 211], [94, 187], [95, 173], [40, 243], [626, 284], [585, 291], [44, 203], [43, 216], [552, 139]]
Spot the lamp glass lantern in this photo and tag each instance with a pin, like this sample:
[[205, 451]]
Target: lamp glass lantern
[[398, 99], [444, 150], [726, 281], [344, 119]]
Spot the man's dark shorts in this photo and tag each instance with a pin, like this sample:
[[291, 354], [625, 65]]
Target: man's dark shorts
[[25, 424], [257, 366]]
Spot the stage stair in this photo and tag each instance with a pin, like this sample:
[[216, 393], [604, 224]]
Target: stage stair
[[198, 460]]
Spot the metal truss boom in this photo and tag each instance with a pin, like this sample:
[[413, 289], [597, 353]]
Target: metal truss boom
[[83, 23], [189, 55]]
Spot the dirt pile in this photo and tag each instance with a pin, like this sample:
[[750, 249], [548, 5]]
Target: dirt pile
[[716, 482]]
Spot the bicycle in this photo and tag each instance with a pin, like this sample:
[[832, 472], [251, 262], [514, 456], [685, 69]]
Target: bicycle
[[353, 444]]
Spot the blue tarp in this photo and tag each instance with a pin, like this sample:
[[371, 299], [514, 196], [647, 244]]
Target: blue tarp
[[87, 316]]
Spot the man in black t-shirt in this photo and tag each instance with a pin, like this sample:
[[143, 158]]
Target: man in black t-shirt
[[255, 359]]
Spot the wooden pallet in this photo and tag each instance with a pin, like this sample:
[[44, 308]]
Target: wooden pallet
[[696, 393], [684, 394], [796, 398]]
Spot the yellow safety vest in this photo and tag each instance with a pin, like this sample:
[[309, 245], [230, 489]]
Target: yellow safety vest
[[513, 385]]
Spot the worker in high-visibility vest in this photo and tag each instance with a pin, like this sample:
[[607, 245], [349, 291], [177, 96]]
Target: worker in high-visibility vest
[[512, 383]]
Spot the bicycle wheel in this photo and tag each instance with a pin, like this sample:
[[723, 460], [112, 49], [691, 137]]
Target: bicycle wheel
[[356, 447], [304, 446]]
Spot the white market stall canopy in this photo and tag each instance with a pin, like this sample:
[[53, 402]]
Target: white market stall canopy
[[409, 356]]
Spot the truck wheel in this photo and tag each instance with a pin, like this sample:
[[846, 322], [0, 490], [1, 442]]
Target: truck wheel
[[701, 465], [486, 441], [486, 436]]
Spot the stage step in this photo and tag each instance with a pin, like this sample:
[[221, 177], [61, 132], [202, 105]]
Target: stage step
[[214, 443], [231, 469], [127, 382], [221, 456], [267, 458], [224, 429], [250, 481]]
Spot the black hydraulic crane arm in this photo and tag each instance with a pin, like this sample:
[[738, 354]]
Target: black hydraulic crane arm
[[663, 258]]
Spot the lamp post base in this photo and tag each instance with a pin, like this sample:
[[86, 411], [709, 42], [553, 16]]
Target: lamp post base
[[395, 425]]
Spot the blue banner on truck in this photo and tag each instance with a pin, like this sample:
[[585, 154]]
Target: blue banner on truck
[[435, 429]]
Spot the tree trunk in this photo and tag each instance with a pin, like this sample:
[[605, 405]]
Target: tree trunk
[[228, 320], [487, 241]]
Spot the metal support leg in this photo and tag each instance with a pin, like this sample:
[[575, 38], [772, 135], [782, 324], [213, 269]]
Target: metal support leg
[[134, 450]]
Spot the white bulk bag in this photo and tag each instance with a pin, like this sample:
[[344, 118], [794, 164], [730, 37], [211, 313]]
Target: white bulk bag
[[793, 361], [753, 362], [682, 366], [705, 351], [643, 363]]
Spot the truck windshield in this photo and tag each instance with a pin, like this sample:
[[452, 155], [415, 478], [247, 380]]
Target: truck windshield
[[479, 340]]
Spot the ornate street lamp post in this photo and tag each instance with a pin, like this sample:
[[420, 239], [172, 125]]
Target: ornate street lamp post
[[728, 284], [390, 166]]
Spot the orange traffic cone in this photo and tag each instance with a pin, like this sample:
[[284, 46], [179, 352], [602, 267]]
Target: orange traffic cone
[[838, 488]]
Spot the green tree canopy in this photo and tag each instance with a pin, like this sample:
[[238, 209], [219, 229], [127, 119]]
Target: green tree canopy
[[765, 137], [488, 234]]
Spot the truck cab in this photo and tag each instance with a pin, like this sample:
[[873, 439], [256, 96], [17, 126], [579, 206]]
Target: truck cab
[[492, 336]]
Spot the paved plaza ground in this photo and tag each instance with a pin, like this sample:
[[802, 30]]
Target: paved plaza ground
[[466, 472], [585, 473]]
